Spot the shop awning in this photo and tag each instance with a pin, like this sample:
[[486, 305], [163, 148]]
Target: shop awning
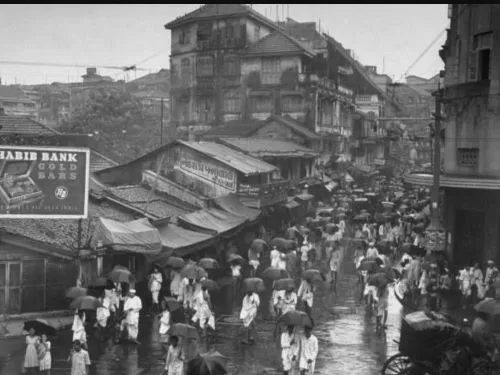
[[181, 242], [230, 203], [137, 236], [211, 220]]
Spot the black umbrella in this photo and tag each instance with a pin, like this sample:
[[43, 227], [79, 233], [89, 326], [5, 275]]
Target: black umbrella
[[41, 327], [211, 363]]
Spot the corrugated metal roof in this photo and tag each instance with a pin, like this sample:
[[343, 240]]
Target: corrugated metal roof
[[138, 196], [262, 147], [98, 162], [276, 43], [243, 163]]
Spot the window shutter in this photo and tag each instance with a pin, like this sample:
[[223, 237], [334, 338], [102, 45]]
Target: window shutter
[[473, 66]]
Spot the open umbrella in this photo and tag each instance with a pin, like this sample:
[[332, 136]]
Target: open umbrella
[[192, 271], [313, 275], [175, 262], [235, 258], [225, 280], [272, 273], [370, 264], [183, 330], [296, 318], [121, 274], [172, 303], [417, 251], [209, 284], [85, 303], [284, 284], [75, 292], [488, 306], [211, 363], [41, 327], [258, 245], [254, 284], [378, 279], [101, 283], [283, 244], [393, 274], [208, 263]]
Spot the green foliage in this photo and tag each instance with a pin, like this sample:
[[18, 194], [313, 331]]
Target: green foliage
[[124, 130]]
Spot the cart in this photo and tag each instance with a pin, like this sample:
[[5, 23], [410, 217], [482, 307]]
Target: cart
[[429, 344]]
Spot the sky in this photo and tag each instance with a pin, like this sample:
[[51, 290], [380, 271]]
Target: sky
[[389, 36]]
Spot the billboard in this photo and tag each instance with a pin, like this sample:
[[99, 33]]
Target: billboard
[[44, 182]]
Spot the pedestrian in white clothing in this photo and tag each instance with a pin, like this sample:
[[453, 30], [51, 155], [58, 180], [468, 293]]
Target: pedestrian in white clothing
[[164, 326], [78, 328], [132, 307], [308, 352], [175, 284], [174, 364], [155, 281], [306, 294], [248, 313], [289, 349], [289, 301], [372, 251], [275, 256]]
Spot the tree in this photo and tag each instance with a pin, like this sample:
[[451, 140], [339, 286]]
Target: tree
[[120, 128]]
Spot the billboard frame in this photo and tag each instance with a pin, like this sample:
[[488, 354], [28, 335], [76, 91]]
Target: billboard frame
[[85, 150]]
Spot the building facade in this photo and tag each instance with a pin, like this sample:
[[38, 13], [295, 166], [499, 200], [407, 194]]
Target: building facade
[[471, 106], [15, 102]]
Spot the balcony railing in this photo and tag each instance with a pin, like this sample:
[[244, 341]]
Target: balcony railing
[[263, 190]]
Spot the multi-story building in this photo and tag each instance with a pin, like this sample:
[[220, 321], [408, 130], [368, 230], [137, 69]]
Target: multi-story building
[[15, 102], [471, 104]]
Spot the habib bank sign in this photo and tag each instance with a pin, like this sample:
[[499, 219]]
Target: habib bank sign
[[44, 182]]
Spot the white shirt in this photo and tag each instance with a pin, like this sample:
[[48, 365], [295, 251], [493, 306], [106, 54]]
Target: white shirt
[[372, 252], [164, 322], [275, 255], [306, 292], [236, 270], [281, 263], [176, 283], [309, 351]]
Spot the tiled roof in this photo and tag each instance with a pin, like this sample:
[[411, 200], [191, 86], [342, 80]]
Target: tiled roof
[[12, 92], [138, 197], [237, 160], [262, 147], [276, 43], [295, 125], [218, 10], [236, 128], [23, 125], [63, 233]]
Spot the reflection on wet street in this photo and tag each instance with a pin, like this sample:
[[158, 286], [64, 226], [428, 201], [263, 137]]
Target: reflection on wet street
[[348, 343]]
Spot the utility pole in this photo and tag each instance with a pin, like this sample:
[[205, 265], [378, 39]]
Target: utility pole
[[161, 123]]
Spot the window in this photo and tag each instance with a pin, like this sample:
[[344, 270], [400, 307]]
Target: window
[[479, 57], [467, 157], [183, 36], [232, 102], [292, 103], [271, 71], [231, 66], [261, 104], [186, 72], [205, 66]]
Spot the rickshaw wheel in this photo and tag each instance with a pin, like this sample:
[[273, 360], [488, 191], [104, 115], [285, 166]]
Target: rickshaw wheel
[[398, 364]]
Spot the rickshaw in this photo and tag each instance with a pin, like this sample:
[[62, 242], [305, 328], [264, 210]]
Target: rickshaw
[[432, 344]]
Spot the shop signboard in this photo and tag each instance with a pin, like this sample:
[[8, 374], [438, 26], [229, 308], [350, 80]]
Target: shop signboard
[[39, 182]]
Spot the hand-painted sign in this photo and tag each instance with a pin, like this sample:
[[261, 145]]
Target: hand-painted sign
[[44, 182], [208, 170]]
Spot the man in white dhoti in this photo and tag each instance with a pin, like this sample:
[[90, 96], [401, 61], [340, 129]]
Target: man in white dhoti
[[249, 308], [306, 295], [78, 328], [275, 256], [308, 352], [203, 313], [289, 349], [132, 307], [155, 281]]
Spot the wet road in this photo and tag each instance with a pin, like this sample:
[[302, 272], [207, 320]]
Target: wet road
[[348, 342]]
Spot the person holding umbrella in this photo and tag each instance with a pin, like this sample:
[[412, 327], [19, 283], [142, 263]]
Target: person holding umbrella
[[306, 295], [78, 328], [274, 255], [382, 307], [155, 282], [31, 362], [102, 315], [254, 258], [289, 349], [248, 313], [174, 365], [132, 307], [289, 300], [308, 352], [164, 327]]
